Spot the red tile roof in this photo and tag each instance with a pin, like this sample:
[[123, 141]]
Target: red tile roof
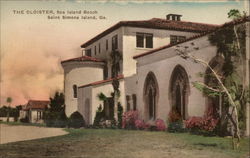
[[102, 81], [83, 58], [37, 104], [234, 22], [157, 23]]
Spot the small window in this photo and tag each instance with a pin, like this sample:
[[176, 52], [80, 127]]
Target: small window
[[107, 44], [88, 52], [115, 42], [139, 40], [134, 102], [75, 91], [99, 48], [149, 41], [144, 40], [95, 50]]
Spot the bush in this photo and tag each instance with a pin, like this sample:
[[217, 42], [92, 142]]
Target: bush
[[160, 125], [55, 119], [76, 120], [174, 116], [99, 115], [129, 118], [139, 124], [175, 127], [119, 114], [24, 120]]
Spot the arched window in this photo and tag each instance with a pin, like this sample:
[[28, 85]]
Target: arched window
[[150, 96], [179, 91], [134, 102], [75, 91]]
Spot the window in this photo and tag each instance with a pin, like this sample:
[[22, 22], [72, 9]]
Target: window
[[107, 44], [75, 91], [99, 48], [115, 42], [88, 52], [95, 50], [128, 102], [175, 39], [134, 102], [109, 108], [144, 40], [39, 115]]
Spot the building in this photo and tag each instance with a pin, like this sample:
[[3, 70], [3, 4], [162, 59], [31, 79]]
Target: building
[[153, 77], [34, 110]]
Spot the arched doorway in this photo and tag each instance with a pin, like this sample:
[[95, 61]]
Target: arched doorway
[[214, 102], [179, 91], [151, 94]]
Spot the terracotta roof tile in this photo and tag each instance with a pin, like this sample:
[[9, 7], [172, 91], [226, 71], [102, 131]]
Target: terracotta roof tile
[[101, 82], [157, 23], [37, 104], [234, 22], [83, 58]]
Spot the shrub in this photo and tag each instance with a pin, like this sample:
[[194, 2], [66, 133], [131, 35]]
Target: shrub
[[160, 125], [174, 116], [175, 127], [139, 124], [24, 120], [119, 114], [99, 115], [199, 124], [55, 119], [129, 118], [76, 120]]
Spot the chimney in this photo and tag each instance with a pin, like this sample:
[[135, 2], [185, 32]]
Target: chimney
[[174, 17]]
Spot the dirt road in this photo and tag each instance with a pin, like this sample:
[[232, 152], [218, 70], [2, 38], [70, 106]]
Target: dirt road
[[20, 133]]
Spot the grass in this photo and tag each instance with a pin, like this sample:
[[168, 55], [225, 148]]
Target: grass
[[107, 143], [23, 124]]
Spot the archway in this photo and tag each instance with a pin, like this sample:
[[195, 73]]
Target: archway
[[151, 94], [214, 102], [179, 91]]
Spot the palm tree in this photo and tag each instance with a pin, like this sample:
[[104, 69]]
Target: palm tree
[[8, 100]]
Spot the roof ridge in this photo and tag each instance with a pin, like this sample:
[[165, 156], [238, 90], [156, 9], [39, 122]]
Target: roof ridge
[[83, 57]]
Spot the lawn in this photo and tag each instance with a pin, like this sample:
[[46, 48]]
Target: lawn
[[107, 143]]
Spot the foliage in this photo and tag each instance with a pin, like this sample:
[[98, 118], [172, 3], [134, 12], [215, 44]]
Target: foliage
[[174, 116], [139, 124], [13, 112], [176, 127], [129, 118], [55, 116], [101, 96], [76, 120], [99, 115], [25, 120], [206, 123], [119, 115], [160, 125]]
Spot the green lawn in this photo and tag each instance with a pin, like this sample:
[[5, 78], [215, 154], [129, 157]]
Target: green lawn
[[23, 124], [107, 143]]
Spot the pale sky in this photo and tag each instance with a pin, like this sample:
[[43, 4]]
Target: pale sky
[[32, 46]]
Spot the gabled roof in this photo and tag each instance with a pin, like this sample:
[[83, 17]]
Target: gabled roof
[[37, 104], [102, 81], [82, 59], [234, 22], [157, 23]]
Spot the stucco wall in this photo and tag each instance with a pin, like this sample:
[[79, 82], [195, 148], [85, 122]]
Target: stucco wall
[[84, 95], [160, 38], [162, 64], [76, 73]]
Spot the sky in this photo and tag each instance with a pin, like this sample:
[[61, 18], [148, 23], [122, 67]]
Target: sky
[[32, 46]]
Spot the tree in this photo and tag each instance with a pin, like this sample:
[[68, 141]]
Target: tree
[[8, 100], [230, 43], [116, 58], [55, 114]]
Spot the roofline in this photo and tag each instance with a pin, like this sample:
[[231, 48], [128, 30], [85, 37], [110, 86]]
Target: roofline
[[234, 22], [123, 23], [91, 60], [102, 81]]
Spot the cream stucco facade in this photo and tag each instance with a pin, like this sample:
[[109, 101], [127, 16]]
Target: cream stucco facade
[[94, 74]]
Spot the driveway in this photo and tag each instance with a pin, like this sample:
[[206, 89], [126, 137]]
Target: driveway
[[20, 133]]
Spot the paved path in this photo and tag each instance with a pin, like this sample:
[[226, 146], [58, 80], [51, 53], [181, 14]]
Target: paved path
[[20, 133]]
